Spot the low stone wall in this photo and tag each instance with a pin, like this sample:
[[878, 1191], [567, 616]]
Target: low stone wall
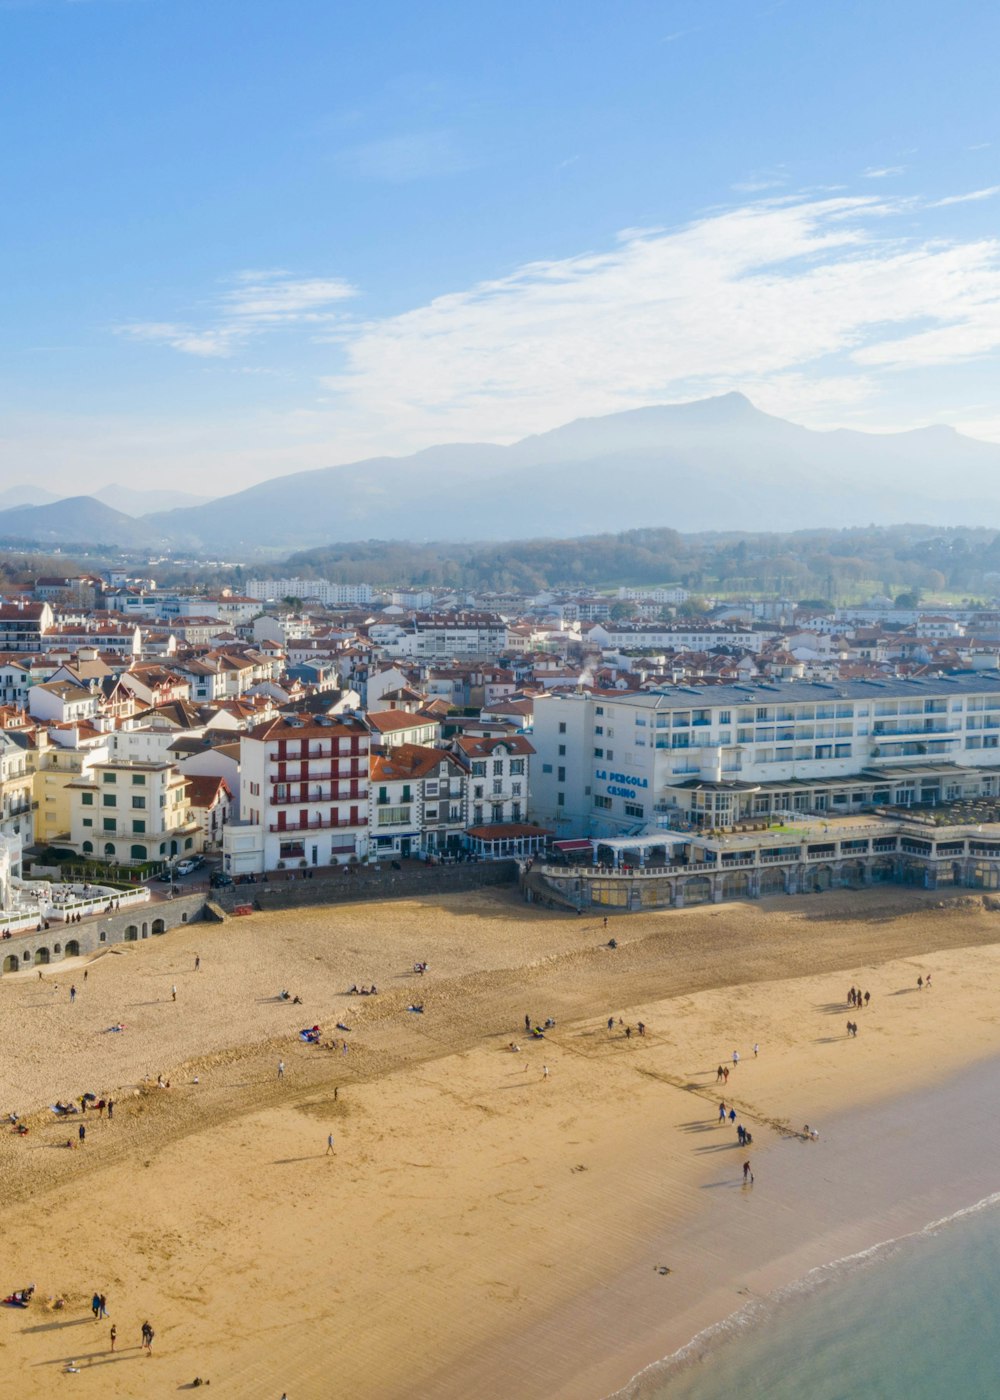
[[132, 925], [369, 883]]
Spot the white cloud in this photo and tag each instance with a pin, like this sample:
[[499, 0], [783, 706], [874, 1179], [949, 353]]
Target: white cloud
[[969, 198], [883, 172], [804, 302], [259, 301]]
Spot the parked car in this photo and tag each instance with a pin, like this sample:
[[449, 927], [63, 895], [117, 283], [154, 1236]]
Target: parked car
[[184, 867], [166, 875], [220, 879]]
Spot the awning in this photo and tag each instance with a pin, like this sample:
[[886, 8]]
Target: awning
[[567, 846]]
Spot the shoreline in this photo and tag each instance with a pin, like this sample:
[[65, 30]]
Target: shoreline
[[491, 1232]]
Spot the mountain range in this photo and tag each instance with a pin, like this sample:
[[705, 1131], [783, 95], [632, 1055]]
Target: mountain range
[[712, 464], [121, 498]]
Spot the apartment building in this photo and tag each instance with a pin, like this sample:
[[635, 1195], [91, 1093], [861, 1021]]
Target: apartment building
[[712, 755], [416, 802], [499, 778], [304, 785], [130, 812]]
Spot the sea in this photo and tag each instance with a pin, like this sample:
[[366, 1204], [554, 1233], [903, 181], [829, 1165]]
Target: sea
[[916, 1318]]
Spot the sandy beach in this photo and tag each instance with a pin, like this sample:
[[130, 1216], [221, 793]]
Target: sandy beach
[[481, 1228]]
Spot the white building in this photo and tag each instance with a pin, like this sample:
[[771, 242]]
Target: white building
[[717, 754], [499, 778], [304, 784], [270, 590]]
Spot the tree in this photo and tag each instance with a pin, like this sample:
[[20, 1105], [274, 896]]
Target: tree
[[908, 600], [621, 611]]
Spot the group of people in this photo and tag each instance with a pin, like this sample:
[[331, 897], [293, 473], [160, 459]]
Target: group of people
[[856, 998], [363, 991]]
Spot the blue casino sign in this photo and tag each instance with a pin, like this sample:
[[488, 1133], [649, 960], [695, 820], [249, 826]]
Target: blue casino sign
[[622, 784]]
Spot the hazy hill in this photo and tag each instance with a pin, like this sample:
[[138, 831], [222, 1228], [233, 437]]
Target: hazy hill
[[76, 520], [711, 464]]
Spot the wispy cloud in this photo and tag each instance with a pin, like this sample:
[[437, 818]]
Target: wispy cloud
[[883, 172], [969, 198], [417, 155], [257, 301], [810, 302]]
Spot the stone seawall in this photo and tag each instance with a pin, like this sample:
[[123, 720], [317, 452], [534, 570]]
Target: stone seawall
[[411, 882], [89, 936]]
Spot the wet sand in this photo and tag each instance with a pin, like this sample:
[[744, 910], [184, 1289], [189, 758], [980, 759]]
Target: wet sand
[[480, 1229]]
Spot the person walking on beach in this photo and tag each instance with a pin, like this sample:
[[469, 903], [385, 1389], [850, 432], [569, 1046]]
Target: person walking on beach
[[527, 1022], [756, 1050], [329, 1144], [103, 1305], [642, 1027], [111, 1109], [173, 992], [611, 1023], [95, 1306], [736, 1058], [281, 1069], [197, 962], [722, 1112], [920, 984], [82, 1134], [545, 1071], [720, 1073], [114, 1336], [747, 1174], [868, 995], [740, 1133], [725, 1075], [72, 995], [732, 1117]]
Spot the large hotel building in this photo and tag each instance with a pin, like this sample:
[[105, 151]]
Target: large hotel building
[[611, 763]]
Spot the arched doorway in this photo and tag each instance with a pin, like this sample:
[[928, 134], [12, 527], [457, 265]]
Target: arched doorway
[[697, 890], [772, 882], [138, 852], [41, 957], [820, 879], [145, 930], [159, 926], [131, 933], [736, 885], [10, 963], [88, 848], [109, 849], [173, 848], [72, 948]]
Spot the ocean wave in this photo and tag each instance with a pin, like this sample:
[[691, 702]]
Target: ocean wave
[[758, 1309]]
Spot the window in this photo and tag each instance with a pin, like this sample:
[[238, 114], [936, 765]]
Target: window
[[561, 775], [609, 755], [138, 779], [598, 709], [110, 824], [431, 814], [497, 809], [517, 765], [479, 770], [497, 767], [478, 791], [394, 816], [725, 717], [516, 789], [108, 777], [598, 728], [562, 750], [515, 812], [603, 802], [546, 767], [497, 786], [562, 726], [110, 800], [87, 799], [139, 828], [477, 816], [138, 803], [88, 821], [598, 753], [632, 809], [560, 799]]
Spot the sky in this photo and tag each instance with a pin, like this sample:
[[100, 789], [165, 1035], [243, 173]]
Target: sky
[[241, 238]]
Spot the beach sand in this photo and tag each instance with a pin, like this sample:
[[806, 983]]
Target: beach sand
[[481, 1229]]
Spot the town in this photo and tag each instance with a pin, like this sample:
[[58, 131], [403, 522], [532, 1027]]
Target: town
[[622, 747]]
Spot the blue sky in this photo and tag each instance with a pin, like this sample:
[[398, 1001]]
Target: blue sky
[[245, 237]]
